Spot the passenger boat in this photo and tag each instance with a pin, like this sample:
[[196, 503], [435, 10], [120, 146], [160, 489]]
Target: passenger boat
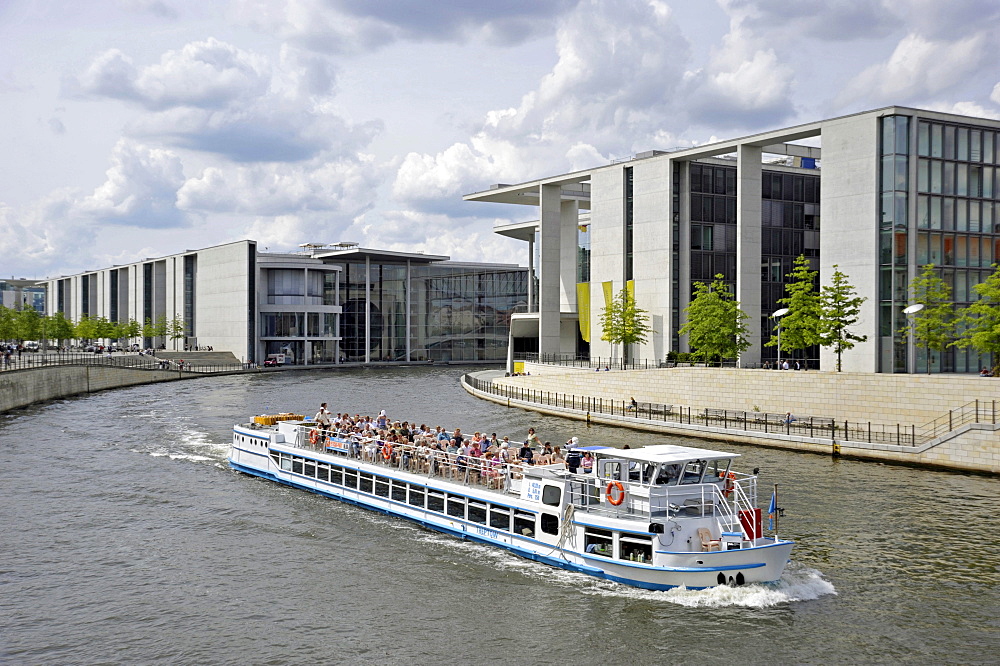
[[656, 517]]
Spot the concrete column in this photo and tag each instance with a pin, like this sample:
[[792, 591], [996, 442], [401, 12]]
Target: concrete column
[[550, 219], [684, 252], [408, 349], [748, 212], [368, 309], [531, 274]]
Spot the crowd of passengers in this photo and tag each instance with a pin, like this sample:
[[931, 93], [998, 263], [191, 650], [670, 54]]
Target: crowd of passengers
[[423, 449]]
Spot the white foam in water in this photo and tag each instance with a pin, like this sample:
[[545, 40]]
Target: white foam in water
[[797, 583]]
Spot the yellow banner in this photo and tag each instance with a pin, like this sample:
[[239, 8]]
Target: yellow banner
[[608, 293], [630, 287], [583, 309]]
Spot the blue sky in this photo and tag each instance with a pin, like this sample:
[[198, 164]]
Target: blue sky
[[139, 128]]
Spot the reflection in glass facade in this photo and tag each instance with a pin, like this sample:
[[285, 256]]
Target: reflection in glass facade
[[443, 312], [957, 227]]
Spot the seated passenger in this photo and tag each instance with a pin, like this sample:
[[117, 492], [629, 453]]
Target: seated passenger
[[526, 455]]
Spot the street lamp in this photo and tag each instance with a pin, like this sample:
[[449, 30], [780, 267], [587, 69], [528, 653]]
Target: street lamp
[[909, 311], [777, 314]]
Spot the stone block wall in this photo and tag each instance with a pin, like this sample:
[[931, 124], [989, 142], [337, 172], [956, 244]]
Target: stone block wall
[[879, 398]]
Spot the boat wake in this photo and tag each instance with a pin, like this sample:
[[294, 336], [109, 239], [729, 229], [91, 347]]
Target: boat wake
[[191, 446]]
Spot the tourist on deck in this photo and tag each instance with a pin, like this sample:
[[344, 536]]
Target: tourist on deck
[[533, 439], [323, 417], [558, 457], [526, 455], [587, 463], [545, 456]]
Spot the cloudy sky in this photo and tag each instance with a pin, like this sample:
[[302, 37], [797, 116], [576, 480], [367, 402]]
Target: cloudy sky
[[140, 128]]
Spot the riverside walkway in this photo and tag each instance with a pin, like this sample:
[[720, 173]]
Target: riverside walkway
[[966, 438]]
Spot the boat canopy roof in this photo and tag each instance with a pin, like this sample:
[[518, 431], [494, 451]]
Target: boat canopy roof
[[663, 453]]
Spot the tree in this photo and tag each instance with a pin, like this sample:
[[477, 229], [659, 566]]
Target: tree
[[8, 328], [28, 324], [716, 326], [624, 323], [155, 330], [176, 329], [85, 329], [934, 325], [800, 326], [59, 327], [132, 329], [839, 310], [980, 322]]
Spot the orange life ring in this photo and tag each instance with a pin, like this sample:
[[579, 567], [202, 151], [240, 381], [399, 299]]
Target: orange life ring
[[387, 451], [730, 483], [615, 485], [313, 436]]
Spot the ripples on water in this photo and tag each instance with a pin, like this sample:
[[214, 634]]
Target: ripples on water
[[128, 539]]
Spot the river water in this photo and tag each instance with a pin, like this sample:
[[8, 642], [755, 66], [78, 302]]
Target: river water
[[127, 539]]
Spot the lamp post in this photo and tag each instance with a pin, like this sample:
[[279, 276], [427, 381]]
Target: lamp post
[[777, 314], [909, 311]]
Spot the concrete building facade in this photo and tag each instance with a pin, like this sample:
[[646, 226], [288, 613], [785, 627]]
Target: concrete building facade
[[876, 195]]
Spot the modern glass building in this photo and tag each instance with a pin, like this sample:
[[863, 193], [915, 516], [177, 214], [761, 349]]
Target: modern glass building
[[324, 304], [895, 188]]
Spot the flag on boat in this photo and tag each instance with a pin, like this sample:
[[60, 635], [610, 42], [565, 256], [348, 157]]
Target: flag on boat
[[772, 509]]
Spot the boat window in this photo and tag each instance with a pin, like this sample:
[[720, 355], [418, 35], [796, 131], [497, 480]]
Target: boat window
[[350, 478], [693, 471], [296, 465], [669, 474], [417, 496], [549, 523], [276, 457], [435, 501], [524, 524], [477, 512], [635, 548], [399, 491], [337, 475], [365, 482], [286, 463], [551, 495], [456, 506], [718, 468], [649, 472], [310, 469], [322, 471], [598, 542], [381, 486], [500, 517]]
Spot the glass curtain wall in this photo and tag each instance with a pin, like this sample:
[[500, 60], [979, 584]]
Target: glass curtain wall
[[957, 225]]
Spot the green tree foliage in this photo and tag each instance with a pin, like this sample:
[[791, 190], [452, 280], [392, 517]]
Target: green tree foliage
[[716, 326], [106, 330], [840, 308], [28, 323], [155, 329], [800, 326], [176, 329], [130, 330], [58, 327], [934, 326], [7, 325], [623, 322], [980, 322], [85, 329]]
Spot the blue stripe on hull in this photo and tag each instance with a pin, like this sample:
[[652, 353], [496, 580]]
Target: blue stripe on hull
[[517, 550]]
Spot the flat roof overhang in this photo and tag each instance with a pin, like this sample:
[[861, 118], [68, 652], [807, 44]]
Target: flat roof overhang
[[359, 254], [575, 187]]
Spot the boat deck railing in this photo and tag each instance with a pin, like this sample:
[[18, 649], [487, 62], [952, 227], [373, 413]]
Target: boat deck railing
[[586, 491]]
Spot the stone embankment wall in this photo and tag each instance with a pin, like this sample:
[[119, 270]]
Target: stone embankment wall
[[879, 398], [885, 399], [19, 388]]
